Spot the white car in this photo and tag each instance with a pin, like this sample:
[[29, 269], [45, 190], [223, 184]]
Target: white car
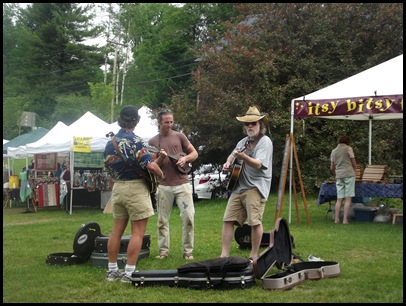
[[208, 185]]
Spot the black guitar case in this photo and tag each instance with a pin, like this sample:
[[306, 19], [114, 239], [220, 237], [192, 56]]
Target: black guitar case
[[90, 243], [242, 236], [101, 243], [218, 273], [83, 246]]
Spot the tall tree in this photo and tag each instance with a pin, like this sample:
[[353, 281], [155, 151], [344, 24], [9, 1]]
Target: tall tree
[[275, 52], [51, 59], [163, 38]]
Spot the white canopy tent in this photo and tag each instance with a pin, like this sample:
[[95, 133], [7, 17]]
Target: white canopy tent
[[60, 139], [373, 94], [146, 128], [54, 134]]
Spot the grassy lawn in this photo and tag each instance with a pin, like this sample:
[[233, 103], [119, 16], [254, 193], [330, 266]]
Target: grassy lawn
[[370, 257]]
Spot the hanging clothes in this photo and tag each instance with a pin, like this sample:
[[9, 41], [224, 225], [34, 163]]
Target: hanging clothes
[[25, 189]]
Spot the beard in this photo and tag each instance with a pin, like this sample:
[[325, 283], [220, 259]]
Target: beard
[[251, 133]]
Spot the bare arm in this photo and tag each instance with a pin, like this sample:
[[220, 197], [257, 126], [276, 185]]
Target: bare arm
[[333, 169], [229, 161], [190, 157], [159, 157], [155, 169], [250, 161]]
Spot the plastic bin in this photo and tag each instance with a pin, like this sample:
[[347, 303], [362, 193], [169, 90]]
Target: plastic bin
[[365, 214]]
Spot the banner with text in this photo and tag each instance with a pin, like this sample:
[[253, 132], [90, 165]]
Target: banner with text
[[368, 106]]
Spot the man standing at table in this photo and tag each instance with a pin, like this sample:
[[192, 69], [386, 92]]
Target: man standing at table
[[343, 167]]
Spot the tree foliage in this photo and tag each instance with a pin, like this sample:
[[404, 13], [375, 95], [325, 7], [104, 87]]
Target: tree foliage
[[163, 37], [45, 58], [208, 62], [273, 53]]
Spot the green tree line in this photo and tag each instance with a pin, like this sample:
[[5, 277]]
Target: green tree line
[[208, 62]]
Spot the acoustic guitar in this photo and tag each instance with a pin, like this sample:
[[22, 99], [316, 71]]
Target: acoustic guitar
[[237, 164], [184, 169], [235, 171], [152, 182]]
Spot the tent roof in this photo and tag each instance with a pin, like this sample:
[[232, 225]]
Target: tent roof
[[23, 139], [60, 138], [385, 79], [89, 125], [146, 128]]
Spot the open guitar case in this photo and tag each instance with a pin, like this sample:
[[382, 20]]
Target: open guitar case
[[237, 272], [279, 254], [90, 243]]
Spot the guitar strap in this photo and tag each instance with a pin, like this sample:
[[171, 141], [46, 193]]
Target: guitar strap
[[253, 142], [113, 140]]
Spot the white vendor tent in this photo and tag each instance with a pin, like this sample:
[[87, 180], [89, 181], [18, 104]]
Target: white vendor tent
[[54, 134], [146, 128], [89, 131], [373, 94]]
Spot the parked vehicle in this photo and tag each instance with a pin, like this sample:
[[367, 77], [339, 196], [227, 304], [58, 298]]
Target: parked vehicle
[[209, 183]]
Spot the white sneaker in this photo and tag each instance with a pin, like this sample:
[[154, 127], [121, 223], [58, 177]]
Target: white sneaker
[[126, 279], [314, 258], [112, 276]]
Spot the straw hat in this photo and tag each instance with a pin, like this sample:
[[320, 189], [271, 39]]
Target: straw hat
[[252, 115]]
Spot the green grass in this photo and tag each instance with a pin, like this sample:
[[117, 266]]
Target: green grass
[[370, 257]]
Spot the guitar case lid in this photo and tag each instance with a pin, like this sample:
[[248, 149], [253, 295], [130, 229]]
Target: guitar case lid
[[279, 251], [84, 242]]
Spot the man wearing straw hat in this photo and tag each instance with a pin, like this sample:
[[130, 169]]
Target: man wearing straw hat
[[250, 164]]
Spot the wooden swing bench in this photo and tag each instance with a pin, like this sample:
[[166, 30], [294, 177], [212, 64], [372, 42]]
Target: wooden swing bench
[[374, 174]]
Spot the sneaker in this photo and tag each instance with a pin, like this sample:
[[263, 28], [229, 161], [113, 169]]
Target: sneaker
[[314, 258], [125, 278], [188, 256], [112, 276]]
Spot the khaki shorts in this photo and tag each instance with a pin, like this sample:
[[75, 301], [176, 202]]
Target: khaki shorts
[[131, 200], [247, 206]]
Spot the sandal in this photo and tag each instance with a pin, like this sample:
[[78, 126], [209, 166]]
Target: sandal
[[188, 256], [162, 256]]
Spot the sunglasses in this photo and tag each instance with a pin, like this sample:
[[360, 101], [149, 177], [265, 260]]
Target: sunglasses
[[250, 123]]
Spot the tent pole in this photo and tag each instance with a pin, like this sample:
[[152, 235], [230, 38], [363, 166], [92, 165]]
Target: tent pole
[[370, 143], [71, 180], [291, 160]]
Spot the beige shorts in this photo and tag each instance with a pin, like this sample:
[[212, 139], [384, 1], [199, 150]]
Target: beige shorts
[[131, 200], [247, 206]]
